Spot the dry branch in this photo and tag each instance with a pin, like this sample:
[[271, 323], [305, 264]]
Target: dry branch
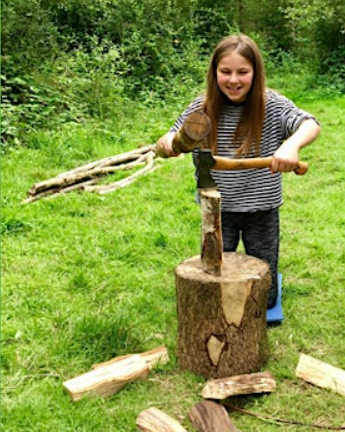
[[155, 420], [85, 177], [277, 420], [110, 187], [261, 382], [321, 374], [53, 192], [111, 160]]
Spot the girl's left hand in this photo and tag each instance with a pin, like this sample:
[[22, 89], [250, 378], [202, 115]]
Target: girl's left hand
[[285, 159]]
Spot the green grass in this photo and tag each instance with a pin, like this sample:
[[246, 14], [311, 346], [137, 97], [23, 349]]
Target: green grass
[[88, 277]]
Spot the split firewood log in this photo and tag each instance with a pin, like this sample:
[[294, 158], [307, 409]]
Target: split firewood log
[[153, 357], [208, 416], [108, 380], [109, 377], [321, 374], [260, 382], [155, 420]]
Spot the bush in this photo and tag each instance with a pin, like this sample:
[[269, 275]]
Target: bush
[[66, 60]]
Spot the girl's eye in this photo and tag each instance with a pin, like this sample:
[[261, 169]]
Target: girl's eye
[[227, 72]]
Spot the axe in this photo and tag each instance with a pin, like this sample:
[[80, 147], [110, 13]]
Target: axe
[[194, 134], [207, 161]]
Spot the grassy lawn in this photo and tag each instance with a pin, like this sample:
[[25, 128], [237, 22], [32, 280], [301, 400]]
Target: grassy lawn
[[88, 277]]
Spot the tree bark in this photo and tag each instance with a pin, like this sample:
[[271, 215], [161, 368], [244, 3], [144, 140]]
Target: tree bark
[[222, 319]]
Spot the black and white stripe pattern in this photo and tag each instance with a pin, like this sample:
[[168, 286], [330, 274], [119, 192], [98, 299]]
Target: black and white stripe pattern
[[254, 189]]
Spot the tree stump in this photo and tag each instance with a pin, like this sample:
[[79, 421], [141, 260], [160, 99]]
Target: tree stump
[[222, 328]]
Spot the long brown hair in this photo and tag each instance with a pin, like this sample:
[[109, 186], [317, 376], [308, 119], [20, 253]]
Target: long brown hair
[[249, 129]]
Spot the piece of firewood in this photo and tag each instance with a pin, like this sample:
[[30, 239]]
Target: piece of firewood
[[321, 374], [108, 380], [155, 420], [208, 416], [211, 240], [158, 355], [260, 382]]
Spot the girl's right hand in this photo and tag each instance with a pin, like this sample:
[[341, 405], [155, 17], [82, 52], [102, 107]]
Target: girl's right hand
[[164, 148]]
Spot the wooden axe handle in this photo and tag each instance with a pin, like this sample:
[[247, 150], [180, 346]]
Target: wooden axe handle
[[238, 164]]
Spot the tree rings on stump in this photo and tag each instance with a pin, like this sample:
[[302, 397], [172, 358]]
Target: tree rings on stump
[[222, 328]]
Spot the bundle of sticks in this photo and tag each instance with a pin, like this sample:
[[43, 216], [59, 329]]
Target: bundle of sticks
[[87, 176]]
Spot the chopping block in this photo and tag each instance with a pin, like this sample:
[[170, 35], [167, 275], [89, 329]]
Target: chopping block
[[222, 327]]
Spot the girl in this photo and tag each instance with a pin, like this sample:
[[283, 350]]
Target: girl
[[248, 121]]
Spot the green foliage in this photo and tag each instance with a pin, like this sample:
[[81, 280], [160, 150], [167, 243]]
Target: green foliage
[[28, 106], [68, 61], [77, 86], [28, 35], [319, 34]]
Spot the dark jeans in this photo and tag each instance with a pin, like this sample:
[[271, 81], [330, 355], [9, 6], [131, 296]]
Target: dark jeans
[[259, 232]]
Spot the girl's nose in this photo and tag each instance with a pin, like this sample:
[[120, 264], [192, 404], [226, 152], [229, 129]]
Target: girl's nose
[[233, 78]]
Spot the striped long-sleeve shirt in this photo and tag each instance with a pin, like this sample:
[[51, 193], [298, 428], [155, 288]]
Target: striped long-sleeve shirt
[[251, 189]]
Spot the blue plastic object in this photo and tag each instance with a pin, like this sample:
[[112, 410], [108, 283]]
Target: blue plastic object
[[276, 313]]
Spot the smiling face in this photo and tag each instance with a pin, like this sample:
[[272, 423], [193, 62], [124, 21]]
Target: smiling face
[[235, 76]]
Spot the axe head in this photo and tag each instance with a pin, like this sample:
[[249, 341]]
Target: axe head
[[205, 162]]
